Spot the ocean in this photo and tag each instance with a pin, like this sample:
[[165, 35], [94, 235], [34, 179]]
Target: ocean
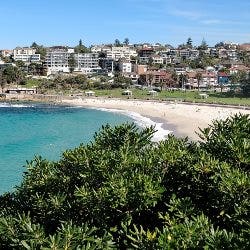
[[29, 129]]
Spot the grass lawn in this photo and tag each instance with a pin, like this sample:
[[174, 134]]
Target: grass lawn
[[189, 96], [165, 95]]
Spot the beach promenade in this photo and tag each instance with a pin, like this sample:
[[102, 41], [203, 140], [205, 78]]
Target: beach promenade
[[180, 118]]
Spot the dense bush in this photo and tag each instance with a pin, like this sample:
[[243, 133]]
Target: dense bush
[[124, 191]]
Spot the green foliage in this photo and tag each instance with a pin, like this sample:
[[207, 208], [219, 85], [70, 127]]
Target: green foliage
[[80, 48], [189, 43], [122, 80], [124, 191], [72, 63], [229, 140], [13, 74], [40, 49]]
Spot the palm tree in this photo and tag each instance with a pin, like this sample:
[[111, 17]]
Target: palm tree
[[183, 80], [175, 78], [198, 77], [150, 79]]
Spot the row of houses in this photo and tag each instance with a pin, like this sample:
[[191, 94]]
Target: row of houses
[[136, 63], [105, 56]]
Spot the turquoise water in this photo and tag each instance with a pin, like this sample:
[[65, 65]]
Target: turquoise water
[[27, 130]]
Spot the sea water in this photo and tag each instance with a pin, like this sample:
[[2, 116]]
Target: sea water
[[47, 130], [32, 129]]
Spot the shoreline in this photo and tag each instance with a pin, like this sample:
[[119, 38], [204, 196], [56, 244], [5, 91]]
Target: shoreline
[[180, 118]]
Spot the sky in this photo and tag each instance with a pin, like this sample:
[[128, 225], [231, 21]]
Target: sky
[[65, 22]]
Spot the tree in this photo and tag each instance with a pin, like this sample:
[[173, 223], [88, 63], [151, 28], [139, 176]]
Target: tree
[[182, 80], [175, 78], [150, 79], [71, 63], [80, 48], [189, 43], [203, 45], [199, 78], [40, 49], [2, 81], [244, 80], [150, 61], [13, 74], [34, 45], [117, 43], [126, 41]]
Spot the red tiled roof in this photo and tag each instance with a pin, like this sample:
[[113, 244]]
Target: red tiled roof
[[222, 74]]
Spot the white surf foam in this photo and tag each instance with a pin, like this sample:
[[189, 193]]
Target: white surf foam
[[143, 122], [11, 105]]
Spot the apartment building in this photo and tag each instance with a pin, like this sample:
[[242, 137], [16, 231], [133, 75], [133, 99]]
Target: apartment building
[[189, 53], [26, 54], [87, 63], [208, 80], [57, 60], [117, 53], [125, 66]]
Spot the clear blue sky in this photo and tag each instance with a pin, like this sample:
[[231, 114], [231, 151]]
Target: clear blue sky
[[64, 22]]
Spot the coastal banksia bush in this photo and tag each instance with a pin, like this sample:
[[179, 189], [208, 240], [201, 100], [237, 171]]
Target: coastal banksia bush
[[123, 191]]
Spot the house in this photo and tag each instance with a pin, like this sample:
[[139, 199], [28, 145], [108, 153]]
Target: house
[[145, 54], [180, 68], [237, 68], [155, 77], [157, 59]]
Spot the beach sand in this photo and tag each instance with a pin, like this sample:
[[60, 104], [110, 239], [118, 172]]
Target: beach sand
[[182, 119]]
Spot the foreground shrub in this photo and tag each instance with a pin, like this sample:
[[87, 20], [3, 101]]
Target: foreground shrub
[[124, 191]]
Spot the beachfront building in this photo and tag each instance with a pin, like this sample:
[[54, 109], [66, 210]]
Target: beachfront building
[[57, 60], [26, 55], [159, 78], [208, 80], [87, 63]]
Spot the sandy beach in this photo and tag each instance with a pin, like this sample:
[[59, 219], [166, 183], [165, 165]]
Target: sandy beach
[[179, 118]]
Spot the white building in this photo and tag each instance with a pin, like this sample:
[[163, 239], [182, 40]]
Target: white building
[[57, 60], [125, 67], [26, 54], [117, 53], [88, 62]]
